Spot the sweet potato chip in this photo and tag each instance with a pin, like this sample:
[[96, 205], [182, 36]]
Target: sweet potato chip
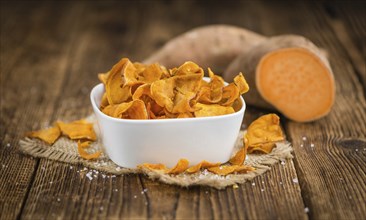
[[133, 76], [230, 93], [229, 169], [239, 157], [241, 83], [103, 77], [128, 110], [150, 166], [202, 165], [48, 135], [84, 154], [189, 68], [181, 166], [262, 148], [212, 92], [265, 129], [212, 110], [175, 93], [116, 93], [80, 129], [104, 102]]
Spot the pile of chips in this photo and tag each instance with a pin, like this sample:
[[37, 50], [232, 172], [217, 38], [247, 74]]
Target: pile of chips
[[139, 91], [79, 130]]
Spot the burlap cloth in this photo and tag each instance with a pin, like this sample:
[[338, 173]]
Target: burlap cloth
[[65, 150]]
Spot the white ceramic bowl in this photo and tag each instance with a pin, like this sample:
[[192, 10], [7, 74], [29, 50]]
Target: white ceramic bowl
[[132, 142]]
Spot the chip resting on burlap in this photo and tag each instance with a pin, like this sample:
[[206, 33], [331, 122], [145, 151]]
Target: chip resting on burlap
[[66, 150]]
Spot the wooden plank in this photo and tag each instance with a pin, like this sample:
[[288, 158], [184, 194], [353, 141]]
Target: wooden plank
[[162, 200], [201, 202], [26, 64], [71, 194], [349, 24], [329, 153]]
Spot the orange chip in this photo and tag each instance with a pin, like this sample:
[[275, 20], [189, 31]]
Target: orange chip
[[84, 154], [241, 83], [150, 166], [226, 169], [49, 135], [181, 166], [265, 129], [239, 157], [175, 93], [80, 129], [128, 110], [189, 68], [104, 102], [212, 110], [116, 94], [103, 77], [262, 148], [139, 66], [229, 94], [212, 92], [133, 76], [203, 164]]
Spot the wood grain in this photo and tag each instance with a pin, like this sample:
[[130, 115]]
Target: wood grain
[[25, 76], [51, 53], [331, 177]]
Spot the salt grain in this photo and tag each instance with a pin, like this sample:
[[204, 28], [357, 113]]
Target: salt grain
[[116, 190], [58, 199], [301, 145], [103, 175], [280, 183], [262, 190], [89, 175], [304, 138], [135, 196], [283, 162], [253, 184], [356, 150], [101, 208], [206, 192], [145, 190], [8, 144], [71, 167], [312, 145], [235, 186], [306, 209], [51, 182], [295, 180]]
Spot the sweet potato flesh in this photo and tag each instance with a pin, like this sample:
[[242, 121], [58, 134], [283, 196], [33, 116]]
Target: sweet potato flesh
[[297, 83]]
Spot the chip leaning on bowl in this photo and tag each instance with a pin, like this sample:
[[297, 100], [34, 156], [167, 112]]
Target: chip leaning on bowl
[[138, 91]]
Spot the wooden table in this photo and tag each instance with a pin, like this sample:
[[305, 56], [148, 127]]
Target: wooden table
[[51, 53]]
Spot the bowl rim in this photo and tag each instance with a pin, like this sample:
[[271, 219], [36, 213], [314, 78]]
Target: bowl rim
[[165, 120]]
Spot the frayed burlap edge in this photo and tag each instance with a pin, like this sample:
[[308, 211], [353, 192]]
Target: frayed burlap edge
[[65, 150]]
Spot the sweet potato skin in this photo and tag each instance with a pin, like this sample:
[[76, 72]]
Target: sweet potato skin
[[213, 46]]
